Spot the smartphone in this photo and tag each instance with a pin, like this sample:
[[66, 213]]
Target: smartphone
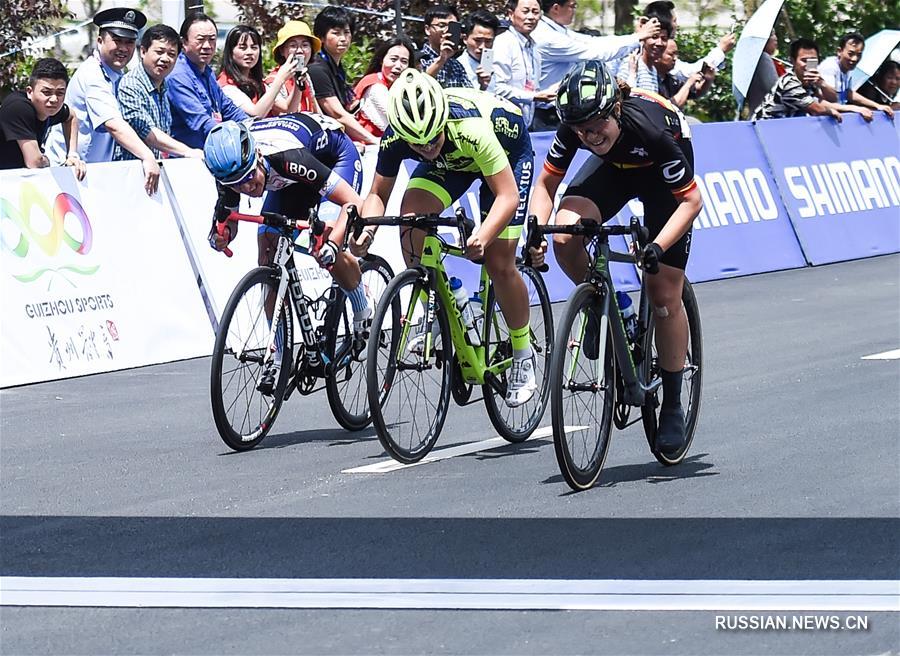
[[454, 34], [812, 64], [487, 60], [735, 26]]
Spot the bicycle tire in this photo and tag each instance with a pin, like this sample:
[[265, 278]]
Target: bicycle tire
[[385, 381], [517, 424], [244, 323], [581, 449], [693, 379], [345, 381]]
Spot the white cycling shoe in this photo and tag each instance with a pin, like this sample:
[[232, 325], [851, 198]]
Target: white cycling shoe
[[522, 383]]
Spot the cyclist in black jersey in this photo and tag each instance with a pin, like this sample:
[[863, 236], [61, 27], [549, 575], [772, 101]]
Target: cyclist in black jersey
[[641, 149]]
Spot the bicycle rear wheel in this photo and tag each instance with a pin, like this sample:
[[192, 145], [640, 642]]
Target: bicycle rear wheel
[[346, 380], [692, 382], [409, 393], [582, 390], [243, 414], [517, 424]]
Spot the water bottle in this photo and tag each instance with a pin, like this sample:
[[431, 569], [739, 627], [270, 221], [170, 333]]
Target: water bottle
[[465, 309], [629, 318]]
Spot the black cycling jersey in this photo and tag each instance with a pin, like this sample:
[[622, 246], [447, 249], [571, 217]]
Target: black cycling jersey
[[653, 160], [654, 134]]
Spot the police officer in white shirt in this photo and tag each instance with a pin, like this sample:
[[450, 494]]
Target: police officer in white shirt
[[91, 94]]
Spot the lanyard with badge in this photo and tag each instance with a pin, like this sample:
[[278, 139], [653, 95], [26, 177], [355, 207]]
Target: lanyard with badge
[[528, 57]]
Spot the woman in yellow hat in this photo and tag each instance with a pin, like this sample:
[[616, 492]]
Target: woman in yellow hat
[[296, 95]]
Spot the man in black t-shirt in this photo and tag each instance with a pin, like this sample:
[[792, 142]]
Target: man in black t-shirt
[[27, 116], [334, 28]]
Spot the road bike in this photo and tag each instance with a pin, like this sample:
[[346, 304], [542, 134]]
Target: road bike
[[258, 324], [590, 394], [420, 353]]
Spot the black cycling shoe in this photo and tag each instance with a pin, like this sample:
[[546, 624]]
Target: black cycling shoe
[[670, 433], [590, 344], [266, 383]]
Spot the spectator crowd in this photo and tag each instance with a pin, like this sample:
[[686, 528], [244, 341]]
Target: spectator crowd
[[174, 92]]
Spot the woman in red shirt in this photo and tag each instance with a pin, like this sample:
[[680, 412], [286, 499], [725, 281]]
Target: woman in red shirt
[[241, 74], [390, 59]]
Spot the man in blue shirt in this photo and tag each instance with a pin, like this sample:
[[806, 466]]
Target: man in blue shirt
[[197, 101]]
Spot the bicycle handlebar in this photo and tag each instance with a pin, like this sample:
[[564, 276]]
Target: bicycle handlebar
[[464, 225], [589, 228], [320, 230]]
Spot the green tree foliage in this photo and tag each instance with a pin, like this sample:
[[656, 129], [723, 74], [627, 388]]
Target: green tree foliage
[[21, 20], [717, 104], [826, 20]]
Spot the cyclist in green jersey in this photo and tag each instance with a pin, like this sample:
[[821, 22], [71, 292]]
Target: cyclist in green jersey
[[459, 136]]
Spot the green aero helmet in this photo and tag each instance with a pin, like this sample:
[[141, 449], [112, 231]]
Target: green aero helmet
[[587, 91], [417, 107]]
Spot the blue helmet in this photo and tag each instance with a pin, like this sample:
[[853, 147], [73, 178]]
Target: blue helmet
[[230, 153]]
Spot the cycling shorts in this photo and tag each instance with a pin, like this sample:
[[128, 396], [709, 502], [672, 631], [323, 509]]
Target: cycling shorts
[[611, 187], [448, 186]]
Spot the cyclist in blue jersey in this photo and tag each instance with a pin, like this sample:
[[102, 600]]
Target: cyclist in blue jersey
[[459, 136], [641, 148], [299, 159]]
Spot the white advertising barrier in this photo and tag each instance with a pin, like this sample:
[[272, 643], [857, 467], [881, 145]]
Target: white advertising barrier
[[193, 197], [94, 276]]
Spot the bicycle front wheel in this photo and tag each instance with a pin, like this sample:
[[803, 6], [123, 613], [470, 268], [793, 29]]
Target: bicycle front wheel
[[243, 413], [692, 380], [517, 424], [346, 380], [582, 388], [409, 369]]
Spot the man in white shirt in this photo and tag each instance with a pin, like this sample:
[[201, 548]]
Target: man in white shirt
[[836, 72], [517, 63], [479, 29], [560, 48]]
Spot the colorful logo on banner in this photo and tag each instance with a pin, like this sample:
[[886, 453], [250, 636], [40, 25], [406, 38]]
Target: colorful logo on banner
[[20, 236]]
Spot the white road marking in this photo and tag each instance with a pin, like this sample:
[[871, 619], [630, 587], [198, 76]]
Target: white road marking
[[887, 355], [389, 465], [469, 594]]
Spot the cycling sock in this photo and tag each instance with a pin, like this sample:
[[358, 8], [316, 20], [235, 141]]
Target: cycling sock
[[358, 298], [521, 342], [671, 384]]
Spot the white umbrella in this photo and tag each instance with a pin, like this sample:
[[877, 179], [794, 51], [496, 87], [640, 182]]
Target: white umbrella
[[750, 46], [878, 49]]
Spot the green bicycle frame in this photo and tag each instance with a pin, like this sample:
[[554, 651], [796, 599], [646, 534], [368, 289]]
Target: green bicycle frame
[[600, 277], [471, 358]]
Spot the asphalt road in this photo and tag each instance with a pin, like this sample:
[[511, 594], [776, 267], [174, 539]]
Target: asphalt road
[[793, 475]]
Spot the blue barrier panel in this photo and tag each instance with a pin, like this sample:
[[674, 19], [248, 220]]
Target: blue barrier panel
[[744, 226], [840, 183]]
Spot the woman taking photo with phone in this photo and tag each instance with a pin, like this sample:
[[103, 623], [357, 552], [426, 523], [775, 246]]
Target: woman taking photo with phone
[[294, 48]]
